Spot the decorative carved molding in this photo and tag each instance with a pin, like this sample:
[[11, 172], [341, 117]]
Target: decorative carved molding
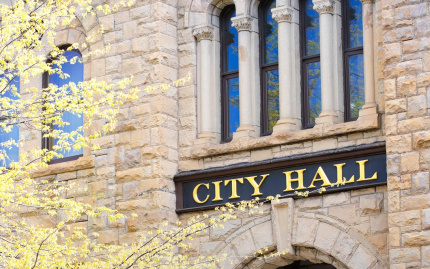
[[282, 14], [242, 23], [203, 33], [324, 6]]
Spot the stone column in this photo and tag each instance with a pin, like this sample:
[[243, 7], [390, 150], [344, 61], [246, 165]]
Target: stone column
[[287, 110], [369, 72], [328, 107], [243, 25], [204, 37]]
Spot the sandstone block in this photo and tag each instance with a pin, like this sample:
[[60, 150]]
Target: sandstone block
[[264, 154], [416, 239], [417, 105], [410, 162], [265, 239], [371, 203], [426, 218], [426, 255], [361, 259], [108, 237], [350, 214], [404, 255], [345, 246], [306, 231], [326, 237], [421, 182], [379, 223], [406, 218], [243, 244], [336, 199]]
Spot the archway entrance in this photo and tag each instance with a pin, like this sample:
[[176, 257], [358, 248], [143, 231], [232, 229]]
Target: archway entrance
[[307, 265]]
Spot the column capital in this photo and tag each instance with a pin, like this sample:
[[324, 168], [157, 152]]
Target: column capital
[[203, 33], [367, 1], [242, 23], [282, 14], [324, 6]]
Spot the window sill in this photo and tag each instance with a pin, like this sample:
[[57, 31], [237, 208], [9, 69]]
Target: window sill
[[84, 162], [363, 123]]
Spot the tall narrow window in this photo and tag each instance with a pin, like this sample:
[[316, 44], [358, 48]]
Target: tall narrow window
[[353, 57], [12, 135], [229, 74], [310, 63], [76, 74], [269, 67]]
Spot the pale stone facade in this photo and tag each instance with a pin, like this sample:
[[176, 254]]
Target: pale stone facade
[[164, 133]]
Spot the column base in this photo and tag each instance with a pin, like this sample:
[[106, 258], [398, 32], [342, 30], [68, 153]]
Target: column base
[[368, 109], [327, 117], [206, 138], [286, 124], [245, 131]]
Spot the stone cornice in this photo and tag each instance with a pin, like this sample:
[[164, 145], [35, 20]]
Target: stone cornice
[[282, 14], [324, 6], [203, 33], [242, 23]]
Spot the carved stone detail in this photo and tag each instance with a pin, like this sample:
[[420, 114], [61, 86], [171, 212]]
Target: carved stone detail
[[282, 14], [324, 6], [242, 23], [203, 33]]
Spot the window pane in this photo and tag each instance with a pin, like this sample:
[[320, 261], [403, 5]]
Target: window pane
[[313, 81], [356, 84], [233, 105], [354, 15], [76, 75], [272, 80], [271, 36], [231, 47], [312, 30], [13, 151]]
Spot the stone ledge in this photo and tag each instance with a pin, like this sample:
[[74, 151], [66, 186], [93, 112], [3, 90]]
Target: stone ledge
[[363, 123], [84, 162]]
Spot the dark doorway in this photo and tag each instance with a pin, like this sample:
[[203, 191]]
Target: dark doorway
[[307, 265]]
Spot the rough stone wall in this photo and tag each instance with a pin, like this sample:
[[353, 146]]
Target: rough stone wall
[[406, 33], [364, 213]]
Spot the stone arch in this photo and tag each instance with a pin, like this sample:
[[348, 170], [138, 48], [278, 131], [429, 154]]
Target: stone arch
[[306, 236]]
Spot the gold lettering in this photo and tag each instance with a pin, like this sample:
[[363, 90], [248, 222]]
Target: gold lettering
[[363, 172], [233, 187], [217, 191], [196, 197], [339, 168], [322, 177], [255, 185], [299, 179]]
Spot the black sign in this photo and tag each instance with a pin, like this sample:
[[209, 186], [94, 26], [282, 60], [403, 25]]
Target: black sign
[[349, 169]]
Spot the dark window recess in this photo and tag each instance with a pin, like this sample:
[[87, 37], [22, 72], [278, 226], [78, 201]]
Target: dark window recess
[[352, 38], [268, 67], [310, 63], [307, 265], [76, 75], [229, 74]]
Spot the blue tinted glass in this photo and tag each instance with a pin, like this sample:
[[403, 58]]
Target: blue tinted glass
[[356, 84], [13, 151], [312, 30], [272, 78], [313, 76], [355, 23], [76, 73], [271, 36], [233, 105], [232, 46]]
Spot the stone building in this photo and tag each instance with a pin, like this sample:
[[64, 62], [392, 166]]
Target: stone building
[[276, 86]]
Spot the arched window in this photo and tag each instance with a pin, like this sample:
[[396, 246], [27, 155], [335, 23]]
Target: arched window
[[229, 74], [352, 35], [310, 63], [12, 151], [76, 74], [268, 67]]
